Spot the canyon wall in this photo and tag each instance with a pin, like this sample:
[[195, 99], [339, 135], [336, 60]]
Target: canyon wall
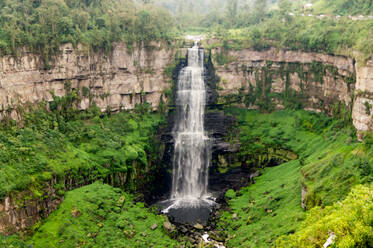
[[316, 81], [114, 81], [125, 77]]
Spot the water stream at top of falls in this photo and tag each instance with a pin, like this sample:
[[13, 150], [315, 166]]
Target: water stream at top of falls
[[191, 149]]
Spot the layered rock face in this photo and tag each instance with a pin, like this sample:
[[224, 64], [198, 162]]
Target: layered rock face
[[318, 81], [362, 111], [115, 81]]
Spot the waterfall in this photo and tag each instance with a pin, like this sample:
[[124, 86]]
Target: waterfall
[[191, 150], [191, 153]]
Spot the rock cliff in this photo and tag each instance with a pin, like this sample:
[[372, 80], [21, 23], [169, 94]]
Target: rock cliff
[[114, 81], [362, 110], [318, 82]]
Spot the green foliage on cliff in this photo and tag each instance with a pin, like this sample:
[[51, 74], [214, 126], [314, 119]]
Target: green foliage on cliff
[[42, 26], [101, 216], [330, 163], [351, 221], [84, 146], [343, 36]]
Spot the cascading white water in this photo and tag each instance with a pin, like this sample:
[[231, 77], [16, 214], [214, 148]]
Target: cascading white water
[[191, 150], [191, 158]]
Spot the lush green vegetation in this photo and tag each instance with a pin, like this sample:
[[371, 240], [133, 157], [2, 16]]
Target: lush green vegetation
[[43, 25], [284, 24], [269, 208], [64, 143], [330, 162], [342, 36], [350, 221], [101, 216], [327, 149], [12, 241], [344, 7]]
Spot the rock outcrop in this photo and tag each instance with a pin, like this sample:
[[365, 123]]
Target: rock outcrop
[[362, 112], [114, 81], [318, 81]]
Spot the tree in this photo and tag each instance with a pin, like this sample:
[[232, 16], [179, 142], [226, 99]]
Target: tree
[[232, 11], [284, 7], [259, 7]]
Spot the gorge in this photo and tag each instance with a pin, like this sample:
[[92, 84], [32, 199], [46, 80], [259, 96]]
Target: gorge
[[245, 70], [165, 123]]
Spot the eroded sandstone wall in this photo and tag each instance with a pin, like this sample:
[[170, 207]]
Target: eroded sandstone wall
[[118, 80], [362, 110], [319, 80]]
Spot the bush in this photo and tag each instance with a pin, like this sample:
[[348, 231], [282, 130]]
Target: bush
[[350, 220]]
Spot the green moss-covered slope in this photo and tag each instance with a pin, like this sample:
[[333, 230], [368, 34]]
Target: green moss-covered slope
[[332, 160], [330, 163], [99, 215], [350, 221], [80, 146], [269, 208]]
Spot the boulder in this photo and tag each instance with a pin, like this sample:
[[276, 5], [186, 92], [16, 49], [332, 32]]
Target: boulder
[[168, 227], [154, 227], [198, 226]]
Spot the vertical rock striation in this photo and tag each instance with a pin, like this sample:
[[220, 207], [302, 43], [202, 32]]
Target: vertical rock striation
[[114, 81], [317, 81]]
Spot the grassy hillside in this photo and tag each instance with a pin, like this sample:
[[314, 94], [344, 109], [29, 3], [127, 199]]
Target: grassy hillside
[[350, 221], [330, 163], [97, 216], [101, 216], [266, 210]]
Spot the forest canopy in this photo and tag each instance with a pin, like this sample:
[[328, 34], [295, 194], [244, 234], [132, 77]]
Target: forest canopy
[[43, 25]]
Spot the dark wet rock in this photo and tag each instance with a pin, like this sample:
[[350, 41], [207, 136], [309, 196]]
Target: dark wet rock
[[168, 227], [198, 226]]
